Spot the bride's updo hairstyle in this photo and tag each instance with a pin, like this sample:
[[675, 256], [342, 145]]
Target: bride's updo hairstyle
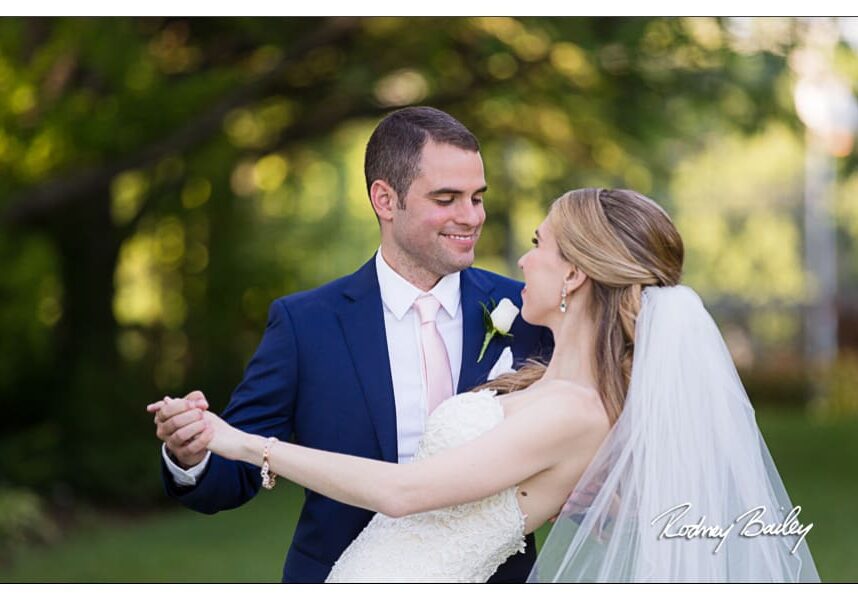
[[623, 241]]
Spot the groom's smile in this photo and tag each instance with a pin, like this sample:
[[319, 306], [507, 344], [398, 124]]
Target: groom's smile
[[465, 242]]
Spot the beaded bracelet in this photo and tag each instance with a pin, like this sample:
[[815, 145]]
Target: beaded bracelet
[[268, 481]]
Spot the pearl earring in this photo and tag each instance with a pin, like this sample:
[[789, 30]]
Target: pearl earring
[[563, 299]]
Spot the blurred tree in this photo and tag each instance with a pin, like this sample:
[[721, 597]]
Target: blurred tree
[[165, 179], [738, 204]]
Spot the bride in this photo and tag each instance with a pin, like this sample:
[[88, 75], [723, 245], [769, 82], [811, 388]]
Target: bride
[[640, 414]]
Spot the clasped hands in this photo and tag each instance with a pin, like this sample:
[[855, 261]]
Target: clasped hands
[[189, 430]]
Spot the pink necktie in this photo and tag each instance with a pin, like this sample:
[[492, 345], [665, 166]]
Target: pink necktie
[[436, 363]]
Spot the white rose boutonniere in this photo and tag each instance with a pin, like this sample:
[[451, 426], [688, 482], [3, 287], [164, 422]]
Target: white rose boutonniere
[[497, 321]]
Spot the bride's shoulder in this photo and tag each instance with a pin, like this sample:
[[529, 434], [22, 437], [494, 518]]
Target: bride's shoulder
[[573, 404]]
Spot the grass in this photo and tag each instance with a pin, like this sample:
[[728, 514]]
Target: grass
[[243, 545], [816, 461]]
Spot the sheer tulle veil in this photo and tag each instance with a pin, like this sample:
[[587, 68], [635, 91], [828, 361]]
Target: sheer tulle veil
[[684, 488]]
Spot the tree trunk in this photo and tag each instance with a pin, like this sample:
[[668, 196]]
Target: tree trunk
[[87, 399]]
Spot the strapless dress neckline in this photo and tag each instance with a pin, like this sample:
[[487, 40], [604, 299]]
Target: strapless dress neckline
[[462, 543]]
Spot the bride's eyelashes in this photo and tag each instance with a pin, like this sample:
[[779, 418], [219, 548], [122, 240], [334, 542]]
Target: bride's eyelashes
[[535, 242]]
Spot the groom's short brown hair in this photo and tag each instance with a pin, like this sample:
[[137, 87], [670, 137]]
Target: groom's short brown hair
[[394, 149]]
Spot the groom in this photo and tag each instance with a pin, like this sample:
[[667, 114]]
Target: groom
[[357, 365]]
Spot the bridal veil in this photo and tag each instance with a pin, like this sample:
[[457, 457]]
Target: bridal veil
[[684, 488]]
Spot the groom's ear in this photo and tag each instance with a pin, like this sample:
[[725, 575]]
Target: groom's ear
[[383, 198]]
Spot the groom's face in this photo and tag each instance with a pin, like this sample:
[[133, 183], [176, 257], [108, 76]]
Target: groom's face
[[443, 215]]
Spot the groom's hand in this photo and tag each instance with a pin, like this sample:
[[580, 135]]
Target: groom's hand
[[180, 425], [578, 502]]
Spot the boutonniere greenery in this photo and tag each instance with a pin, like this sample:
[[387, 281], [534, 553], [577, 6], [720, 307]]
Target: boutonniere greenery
[[497, 321]]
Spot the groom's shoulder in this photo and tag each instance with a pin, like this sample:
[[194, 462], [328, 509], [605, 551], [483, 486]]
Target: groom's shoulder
[[499, 282], [319, 297]]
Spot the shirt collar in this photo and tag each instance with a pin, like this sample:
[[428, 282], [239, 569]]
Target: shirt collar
[[398, 294]]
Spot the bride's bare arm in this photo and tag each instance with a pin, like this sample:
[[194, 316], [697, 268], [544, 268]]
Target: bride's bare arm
[[522, 445]]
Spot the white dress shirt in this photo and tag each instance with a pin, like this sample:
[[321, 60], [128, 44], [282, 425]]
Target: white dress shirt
[[402, 329], [402, 326]]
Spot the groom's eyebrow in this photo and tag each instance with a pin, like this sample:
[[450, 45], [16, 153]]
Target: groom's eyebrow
[[454, 191]]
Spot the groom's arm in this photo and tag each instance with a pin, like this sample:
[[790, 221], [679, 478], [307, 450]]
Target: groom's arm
[[181, 476], [262, 404]]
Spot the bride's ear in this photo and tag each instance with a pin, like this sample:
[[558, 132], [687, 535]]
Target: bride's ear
[[575, 278]]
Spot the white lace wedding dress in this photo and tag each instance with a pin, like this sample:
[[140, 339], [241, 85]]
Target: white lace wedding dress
[[464, 543]]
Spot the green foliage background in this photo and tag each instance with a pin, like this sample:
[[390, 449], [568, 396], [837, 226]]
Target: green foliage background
[[164, 179]]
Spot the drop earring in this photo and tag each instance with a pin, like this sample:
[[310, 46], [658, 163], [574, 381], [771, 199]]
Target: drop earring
[[563, 299]]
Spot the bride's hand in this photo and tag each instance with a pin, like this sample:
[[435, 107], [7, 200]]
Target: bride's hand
[[227, 441]]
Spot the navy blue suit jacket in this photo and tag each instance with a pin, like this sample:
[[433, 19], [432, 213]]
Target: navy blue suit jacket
[[321, 376]]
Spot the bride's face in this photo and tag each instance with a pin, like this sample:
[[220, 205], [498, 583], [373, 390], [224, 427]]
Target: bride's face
[[544, 272]]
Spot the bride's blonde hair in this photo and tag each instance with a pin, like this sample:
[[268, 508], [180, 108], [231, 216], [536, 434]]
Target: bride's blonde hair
[[623, 241]]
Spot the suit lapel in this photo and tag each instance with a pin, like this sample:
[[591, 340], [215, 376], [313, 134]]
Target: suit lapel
[[475, 288], [362, 320]]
